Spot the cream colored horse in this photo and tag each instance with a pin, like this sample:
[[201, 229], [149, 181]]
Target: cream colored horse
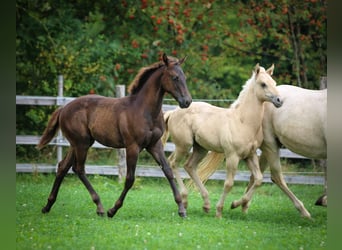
[[300, 125], [235, 132]]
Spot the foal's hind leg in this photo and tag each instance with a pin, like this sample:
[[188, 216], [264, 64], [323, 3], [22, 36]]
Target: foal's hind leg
[[174, 159], [63, 168], [79, 169]]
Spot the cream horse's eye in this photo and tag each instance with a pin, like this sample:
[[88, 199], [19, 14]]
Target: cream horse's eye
[[263, 85]]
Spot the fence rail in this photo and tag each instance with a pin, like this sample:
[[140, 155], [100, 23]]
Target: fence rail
[[141, 170]]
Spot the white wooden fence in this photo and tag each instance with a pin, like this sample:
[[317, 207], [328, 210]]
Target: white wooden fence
[[119, 170]]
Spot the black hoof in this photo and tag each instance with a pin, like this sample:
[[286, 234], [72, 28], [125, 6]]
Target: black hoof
[[110, 214], [100, 214], [45, 210]]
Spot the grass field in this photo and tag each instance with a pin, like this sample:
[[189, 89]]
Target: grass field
[[149, 219]]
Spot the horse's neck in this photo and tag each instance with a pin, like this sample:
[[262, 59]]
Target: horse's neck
[[150, 97], [251, 111]]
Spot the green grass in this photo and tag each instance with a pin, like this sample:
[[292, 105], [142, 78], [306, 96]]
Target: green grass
[[149, 219]]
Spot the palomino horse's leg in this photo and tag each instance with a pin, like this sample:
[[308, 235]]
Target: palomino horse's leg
[[174, 159], [323, 200], [63, 168], [231, 163], [253, 164], [277, 177], [157, 151], [263, 164], [79, 169], [131, 159], [190, 166]]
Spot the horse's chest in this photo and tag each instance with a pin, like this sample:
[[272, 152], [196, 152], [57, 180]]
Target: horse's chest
[[151, 132]]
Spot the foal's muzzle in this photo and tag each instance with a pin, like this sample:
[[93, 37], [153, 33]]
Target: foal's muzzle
[[184, 102]]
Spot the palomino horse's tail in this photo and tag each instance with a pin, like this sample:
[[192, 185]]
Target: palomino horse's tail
[[208, 166], [50, 130], [166, 133]]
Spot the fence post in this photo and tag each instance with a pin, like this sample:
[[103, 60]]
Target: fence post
[[120, 92], [59, 135], [323, 82]]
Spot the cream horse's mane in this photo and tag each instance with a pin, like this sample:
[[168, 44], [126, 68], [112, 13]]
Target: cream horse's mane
[[245, 89]]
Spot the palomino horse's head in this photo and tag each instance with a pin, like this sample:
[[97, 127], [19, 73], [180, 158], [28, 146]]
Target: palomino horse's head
[[265, 85], [174, 82]]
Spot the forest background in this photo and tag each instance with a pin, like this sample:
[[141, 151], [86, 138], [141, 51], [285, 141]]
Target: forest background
[[97, 45]]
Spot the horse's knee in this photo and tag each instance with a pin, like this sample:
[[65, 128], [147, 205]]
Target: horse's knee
[[187, 168], [258, 181], [228, 184], [129, 181]]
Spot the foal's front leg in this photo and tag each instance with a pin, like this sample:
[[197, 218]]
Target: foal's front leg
[[256, 180], [131, 159], [157, 151], [231, 163]]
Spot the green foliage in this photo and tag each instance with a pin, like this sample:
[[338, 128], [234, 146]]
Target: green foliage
[[149, 220], [99, 44]]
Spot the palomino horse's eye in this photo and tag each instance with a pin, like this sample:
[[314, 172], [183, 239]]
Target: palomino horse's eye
[[263, 85]]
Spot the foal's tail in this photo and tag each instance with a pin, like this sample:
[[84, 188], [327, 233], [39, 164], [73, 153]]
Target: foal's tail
[[208, 166], [166, 133], [50, 130]]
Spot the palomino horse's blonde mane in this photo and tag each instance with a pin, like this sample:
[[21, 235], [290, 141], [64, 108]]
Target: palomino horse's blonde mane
[[245, 87], [144, 73]]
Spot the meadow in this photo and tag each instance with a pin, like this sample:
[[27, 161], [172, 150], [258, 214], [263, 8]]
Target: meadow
[[149, 219]]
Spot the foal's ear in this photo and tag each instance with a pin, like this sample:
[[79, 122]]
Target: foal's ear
[[182, 60], [165, 59], [270, 70], [257, 68]]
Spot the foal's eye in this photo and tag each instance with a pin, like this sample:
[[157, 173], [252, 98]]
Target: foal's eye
[[263, 85], [175, 78]]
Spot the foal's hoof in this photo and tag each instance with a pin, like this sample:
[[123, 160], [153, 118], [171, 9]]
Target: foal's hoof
[[182, 214], [233, 205], [45, 210], [206, 209], [100, 213], [110, 214]]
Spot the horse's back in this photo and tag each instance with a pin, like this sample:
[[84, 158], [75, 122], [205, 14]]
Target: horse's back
[[93, 117], [300, 124]]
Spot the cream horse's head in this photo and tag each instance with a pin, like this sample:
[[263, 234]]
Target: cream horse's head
[[265, 86]]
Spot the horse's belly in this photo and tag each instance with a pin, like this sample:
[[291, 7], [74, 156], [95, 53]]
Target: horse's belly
[[311, 148], [209, 142], [112, 143]]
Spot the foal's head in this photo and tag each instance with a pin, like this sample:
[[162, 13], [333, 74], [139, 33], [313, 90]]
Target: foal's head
[[173, 81], [265, 86]]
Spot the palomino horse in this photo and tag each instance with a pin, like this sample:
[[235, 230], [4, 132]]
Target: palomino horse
[[232, 131], [300, 125], [134, 122]]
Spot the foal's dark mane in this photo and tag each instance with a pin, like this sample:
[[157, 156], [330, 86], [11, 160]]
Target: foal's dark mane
[[144, 73]]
